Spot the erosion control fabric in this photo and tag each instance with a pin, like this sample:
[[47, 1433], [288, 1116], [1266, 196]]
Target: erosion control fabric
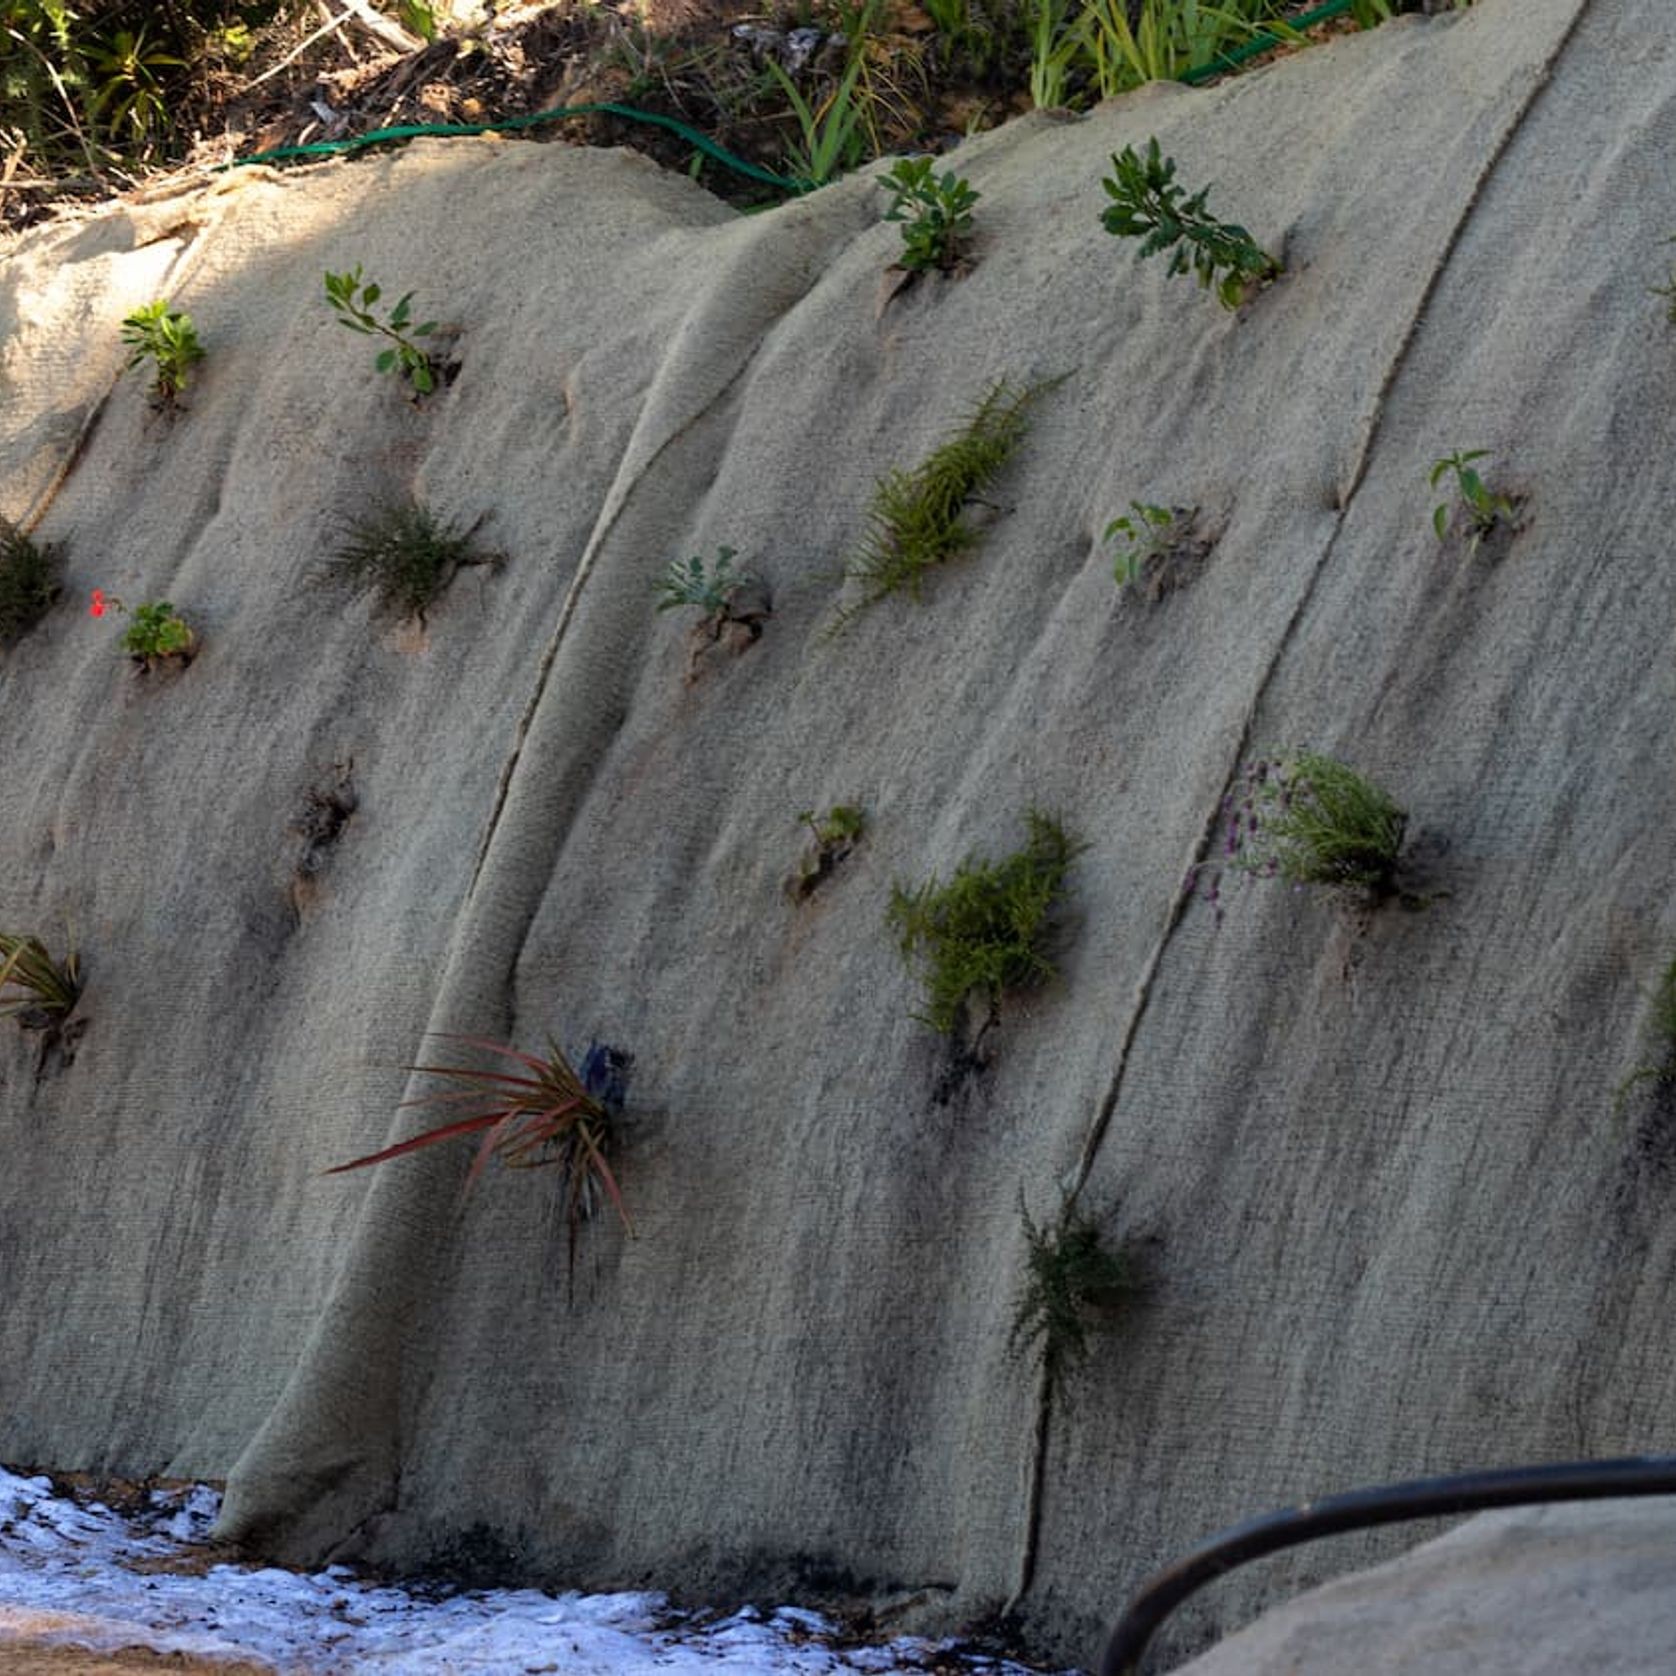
[[1386, 1219]]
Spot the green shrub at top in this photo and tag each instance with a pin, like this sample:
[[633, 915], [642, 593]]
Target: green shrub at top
[[167, 338], [1148, 205], [935, 212], [1069, 1279], [28, 582], [987, 930], [917, 519]]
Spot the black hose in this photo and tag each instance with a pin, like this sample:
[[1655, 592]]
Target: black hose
[[1420, 1498]]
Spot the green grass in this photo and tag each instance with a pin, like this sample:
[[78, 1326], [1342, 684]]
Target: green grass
[[1660, 1066], [28, 582], [406, 554], [987, 930], [917, 520]]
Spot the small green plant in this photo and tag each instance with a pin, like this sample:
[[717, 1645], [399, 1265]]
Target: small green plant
[[551, 1115], [1148, 205], [1070, 1279], [935, 212], [1483, 509], [1053, 51], [916, 521], [29, 584], [1144, 533], [688, 584], [835, 834], [43, 991], [1668, 292], [987, 930], [1309, 819], [157, 633], [1661, 1036], [167, 337], [407, 554], [354, 302]]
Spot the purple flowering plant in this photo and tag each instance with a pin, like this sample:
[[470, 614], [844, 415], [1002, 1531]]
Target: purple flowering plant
[[1307, 819]]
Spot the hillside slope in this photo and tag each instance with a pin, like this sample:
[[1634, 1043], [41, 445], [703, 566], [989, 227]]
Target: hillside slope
[[1390, 1221]]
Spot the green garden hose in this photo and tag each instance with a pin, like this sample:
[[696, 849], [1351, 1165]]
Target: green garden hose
[[1262, 41]]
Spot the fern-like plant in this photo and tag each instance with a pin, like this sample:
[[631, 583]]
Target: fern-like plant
[[407, 554], [1148, 205], [1070, 1278], [987, 930], [917, 520]]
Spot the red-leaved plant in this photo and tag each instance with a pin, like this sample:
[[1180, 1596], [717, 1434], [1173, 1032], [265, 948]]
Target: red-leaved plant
[[552, 1115]]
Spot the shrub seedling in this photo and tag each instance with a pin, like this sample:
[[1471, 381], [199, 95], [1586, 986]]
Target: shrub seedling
[[28, 582], [44, 992], [1069, 1279], [1145, 534], [167, 337], [916, 521], [687, 584], [354, 302], [550, 1115], [935, 212], [157, 633], [835, 834], [1483, 509], [987, 929], [1146, 204], [407, 554]]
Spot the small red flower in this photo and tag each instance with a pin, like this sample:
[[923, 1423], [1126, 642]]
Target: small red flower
[[97, 608]]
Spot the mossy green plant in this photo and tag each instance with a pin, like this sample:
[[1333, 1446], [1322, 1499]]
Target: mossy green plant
[[1071, 1280], [29, 584], [407, 555], [988, 929], [917, 520]]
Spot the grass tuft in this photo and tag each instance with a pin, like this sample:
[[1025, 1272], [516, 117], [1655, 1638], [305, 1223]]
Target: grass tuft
[[28, 582], [1315, 821], [986, 930], [407, 554], [917, 518], [44, 990]]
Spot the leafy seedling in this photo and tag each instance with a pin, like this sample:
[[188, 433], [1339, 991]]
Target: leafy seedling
[[987, 930], [1071, 1281], [1143, 533], [935, 213], [550, 1115], [407, 555], [156, 634], [707, 591], [1148, 205], [29, 582], [354, 303], [167, 338], [834, 835], [1483, 510], [917, 520], [1668, 292]]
